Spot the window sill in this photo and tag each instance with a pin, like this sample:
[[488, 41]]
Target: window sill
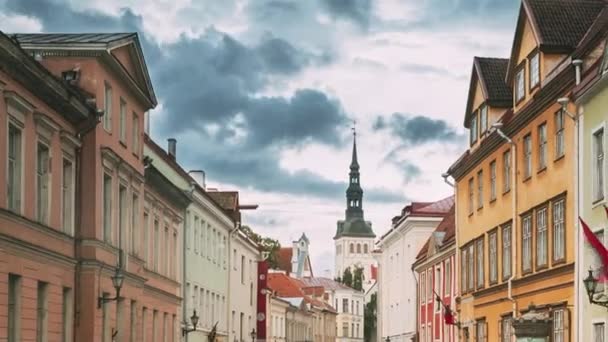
[[135, 155], [541, 267], [492, 200], [504, 192], [527, 179], [558, 158], [598, 202], [558, 262], [480, 208], [471, 214], [527, 272], [123, 144], [541, 170]]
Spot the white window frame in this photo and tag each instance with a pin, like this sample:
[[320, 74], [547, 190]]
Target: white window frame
[[107, 106], [43, 217], [599, 195], [558, 330], [447, 288], [479, 189], [562, 224], [483, 119], [493, 180], [438, 290], [17, 196], [542, 260], [542, 146], [534, 74], [527, 150], [507, 248], [122, 122], [493, 256], [474, 130], [527, 241], [135, 132], [68, 223], [559, 124], [479, 263], [520, 84], [506, 170], [471, 195]]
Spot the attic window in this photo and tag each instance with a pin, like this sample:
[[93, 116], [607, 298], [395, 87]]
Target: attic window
[[520, 88], [483, 119], [473, 130], [534, 70]]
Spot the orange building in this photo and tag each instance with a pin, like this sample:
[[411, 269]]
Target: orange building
[[515, 186]]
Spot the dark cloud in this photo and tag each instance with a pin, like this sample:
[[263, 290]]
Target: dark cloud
[[417, 129], [359, 11], [215, 79]]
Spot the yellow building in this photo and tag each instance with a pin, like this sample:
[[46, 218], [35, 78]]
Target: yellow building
[[515, 186]]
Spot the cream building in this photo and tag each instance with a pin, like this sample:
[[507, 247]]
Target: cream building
[[397, 253]]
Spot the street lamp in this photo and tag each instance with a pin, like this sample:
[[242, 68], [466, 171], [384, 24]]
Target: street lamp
[[117, 280], [194, 321], [252, 334], [591, 285], [388, 339]]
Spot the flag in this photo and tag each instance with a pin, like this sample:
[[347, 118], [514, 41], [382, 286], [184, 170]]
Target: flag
[[448, 316], [599, 248]]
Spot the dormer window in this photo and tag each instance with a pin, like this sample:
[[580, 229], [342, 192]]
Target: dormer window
[[483, 119], [473, 130], [534, 70], [520, 89]]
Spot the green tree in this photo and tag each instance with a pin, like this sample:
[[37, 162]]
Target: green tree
[[358, 279], [369, 318], [267, 245], [347, 277]]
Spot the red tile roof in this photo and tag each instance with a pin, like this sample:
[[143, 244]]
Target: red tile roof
[[423, 209], [446, 226], [325, 283], [284, 259], [288, 287]]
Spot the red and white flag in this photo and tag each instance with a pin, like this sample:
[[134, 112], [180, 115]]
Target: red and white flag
[[598, 247]]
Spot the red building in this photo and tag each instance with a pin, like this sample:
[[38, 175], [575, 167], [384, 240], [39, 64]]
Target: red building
[[436, 273]]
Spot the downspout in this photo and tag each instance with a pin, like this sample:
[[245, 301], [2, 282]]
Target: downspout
[[579, 264], [185, 300]]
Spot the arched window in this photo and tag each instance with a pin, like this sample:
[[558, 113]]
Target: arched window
[[351, 248], [358, 248], [365, 248]]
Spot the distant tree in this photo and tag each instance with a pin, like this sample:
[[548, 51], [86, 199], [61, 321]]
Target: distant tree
[[369, 318], [358, 279], [266, 244], [347, 277]]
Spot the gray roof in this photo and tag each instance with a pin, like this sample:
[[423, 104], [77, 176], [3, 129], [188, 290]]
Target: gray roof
[[70, 38], [493, 72]]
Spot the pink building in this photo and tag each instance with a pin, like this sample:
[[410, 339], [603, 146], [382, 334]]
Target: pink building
[[77, 202], [436, 273]]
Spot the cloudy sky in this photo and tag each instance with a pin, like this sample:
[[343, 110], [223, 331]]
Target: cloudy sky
[[262, 94]]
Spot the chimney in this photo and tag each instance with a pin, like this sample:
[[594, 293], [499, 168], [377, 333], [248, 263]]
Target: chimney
[[199, 177], [172, 146]]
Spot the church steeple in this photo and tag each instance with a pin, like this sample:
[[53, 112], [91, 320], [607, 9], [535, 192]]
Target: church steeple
[[354, 193], [354, 224]]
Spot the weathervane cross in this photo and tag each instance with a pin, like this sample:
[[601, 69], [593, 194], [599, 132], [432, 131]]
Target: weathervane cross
[[354, 128]]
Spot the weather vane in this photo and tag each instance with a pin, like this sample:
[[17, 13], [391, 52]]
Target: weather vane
[[354, 128]]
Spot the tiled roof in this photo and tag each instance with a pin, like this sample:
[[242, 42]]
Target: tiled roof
[[446, 229], [493, 72], [285, 286], [422, 209], [326, 283], [284, 259], [226, 199], [562, 23], [70, 38]]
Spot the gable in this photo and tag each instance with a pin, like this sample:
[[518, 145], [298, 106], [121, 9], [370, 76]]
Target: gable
[[476, 97], [528, 41], [127, 57]]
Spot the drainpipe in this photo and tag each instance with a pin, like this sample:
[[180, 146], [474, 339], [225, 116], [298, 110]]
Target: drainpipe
[[184, 279], [456, 263], [497, 127]]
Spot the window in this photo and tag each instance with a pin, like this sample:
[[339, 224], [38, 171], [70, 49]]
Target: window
[[107, 208], [345, 329], [359, 248], [493, 180], [67, 197], [480, 189], [471, 196], [542, 146], [527, 156], [463, 270], [14, 308], [534, 70], [135, 132], [558, 325], [559, 134], [493, 257], [483, 119], [506, 252], [14, 168], [242, 269], [429, 285], [598, 165], [473, 129], [526, 249], [520, 90], [122, 213], [351, 248], [365, 250], [345, 305], [480, 331], [597, 264], [471, 266], [437, 286], [42, 312], [144, 319], [599, 332], [107, 116], [541, 237], [479, 266], [506, 331], [66, 315], [448, 278], [559, 231], [422, 288], [42, 183], [155, 249], [506, 170], [196, 234], [123, 121]]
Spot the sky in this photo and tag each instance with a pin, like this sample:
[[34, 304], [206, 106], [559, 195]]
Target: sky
[[262, 95]]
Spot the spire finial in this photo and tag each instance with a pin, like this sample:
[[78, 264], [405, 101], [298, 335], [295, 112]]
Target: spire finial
[[354, 164], [354, 128]]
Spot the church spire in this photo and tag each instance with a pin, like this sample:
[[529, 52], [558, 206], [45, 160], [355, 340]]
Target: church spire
[[354, 164], [354, 193]]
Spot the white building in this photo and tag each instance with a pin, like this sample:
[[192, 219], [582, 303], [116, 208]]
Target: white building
[[243, 287], [348, 303], [295, 260], [398, 249], [354, 239], [206, 230]]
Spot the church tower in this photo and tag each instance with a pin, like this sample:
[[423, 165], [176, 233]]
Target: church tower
[[354, 237]]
